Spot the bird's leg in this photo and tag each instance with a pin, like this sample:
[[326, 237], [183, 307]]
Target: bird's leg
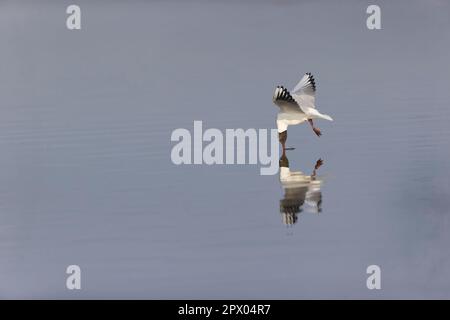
[[282, 137], [316, 130], [317, 166]]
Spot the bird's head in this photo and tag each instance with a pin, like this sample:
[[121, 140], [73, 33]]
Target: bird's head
[[284, 161]]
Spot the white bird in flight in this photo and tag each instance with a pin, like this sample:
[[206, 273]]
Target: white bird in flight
[[297, 106]]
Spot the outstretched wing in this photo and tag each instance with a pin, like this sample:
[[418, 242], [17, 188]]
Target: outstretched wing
[[285, 101], [305, 91]]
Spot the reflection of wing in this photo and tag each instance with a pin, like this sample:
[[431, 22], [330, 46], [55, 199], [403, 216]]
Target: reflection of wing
[[284, 100], [299, 190], [313, 197], [305, 91]]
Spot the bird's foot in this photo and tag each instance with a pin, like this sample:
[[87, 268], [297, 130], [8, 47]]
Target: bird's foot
[[318, 164], [317, 131]]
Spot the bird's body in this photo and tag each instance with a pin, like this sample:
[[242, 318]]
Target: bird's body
[[285, 119], [297, 106]]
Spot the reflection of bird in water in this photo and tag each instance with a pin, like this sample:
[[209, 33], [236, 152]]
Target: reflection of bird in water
[[301, 191], [297, 106]]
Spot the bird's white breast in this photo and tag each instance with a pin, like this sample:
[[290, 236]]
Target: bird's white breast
[[289, 119]]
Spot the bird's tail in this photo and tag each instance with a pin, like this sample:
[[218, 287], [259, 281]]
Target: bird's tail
[[325, 116], [316, 114]]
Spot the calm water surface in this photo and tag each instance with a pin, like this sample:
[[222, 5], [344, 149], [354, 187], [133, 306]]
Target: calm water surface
[[86, 176]]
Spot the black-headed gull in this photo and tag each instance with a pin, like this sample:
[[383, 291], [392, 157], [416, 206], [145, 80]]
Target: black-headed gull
[[297, 106]]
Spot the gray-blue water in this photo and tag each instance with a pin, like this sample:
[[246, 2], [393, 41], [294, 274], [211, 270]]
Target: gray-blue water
[[86, 176]]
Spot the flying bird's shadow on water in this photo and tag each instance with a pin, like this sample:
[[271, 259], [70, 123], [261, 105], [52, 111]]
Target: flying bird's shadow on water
[[302, 192]]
